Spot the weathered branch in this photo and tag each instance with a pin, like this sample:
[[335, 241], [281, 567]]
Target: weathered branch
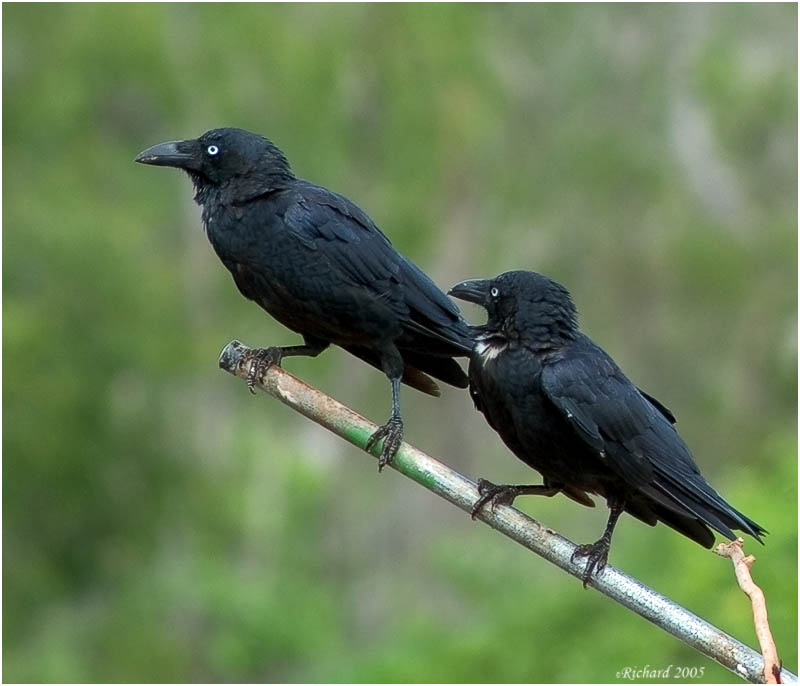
[[741, 566], [452, 486]]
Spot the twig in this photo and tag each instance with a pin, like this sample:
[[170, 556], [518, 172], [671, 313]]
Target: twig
[[741, 565], [452, 486]]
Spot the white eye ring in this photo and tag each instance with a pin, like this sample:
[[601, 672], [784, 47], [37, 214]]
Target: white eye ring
[[494, 292], [212, 150]]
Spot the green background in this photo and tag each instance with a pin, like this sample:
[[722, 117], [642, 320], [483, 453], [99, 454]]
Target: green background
[[161, 524]]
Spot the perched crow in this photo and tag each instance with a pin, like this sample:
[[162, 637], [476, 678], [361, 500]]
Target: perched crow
[[320, 266], [564, 407]]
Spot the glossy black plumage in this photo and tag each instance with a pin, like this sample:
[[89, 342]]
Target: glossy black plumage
[[319, 265], [564, 407]]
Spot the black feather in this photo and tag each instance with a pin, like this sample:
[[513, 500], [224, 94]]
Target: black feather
[[319, 265], [564, 407]]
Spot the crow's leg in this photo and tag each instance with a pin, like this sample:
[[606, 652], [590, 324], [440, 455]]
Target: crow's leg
[[261, 359], [596, 553], [504, 494], [392, 431]]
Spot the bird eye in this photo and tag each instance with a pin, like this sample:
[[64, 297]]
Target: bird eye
[[212, 150], [494, 292]]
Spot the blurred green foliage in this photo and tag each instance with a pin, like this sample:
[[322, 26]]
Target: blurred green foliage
[[163, 525]]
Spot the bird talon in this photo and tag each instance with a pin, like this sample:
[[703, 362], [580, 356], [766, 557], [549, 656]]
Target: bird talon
[[486, 497], [494, 494], [478, 506], [260, 360], [392, 435], [564, 407], [486, 487], [596, 555], [354, 290]]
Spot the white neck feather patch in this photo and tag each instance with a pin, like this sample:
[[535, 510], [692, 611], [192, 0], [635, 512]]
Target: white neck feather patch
[[489, 348]]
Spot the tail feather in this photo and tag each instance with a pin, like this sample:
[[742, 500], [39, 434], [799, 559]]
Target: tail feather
[[443, 368], [691, 511], [651, 513], [453, 340], [414, 373], [700, 511], [422, 382]]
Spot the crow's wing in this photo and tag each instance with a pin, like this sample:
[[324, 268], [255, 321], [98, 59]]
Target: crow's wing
[[606, 411], [343, 236], [635, 436], [360, 253], [663, 409]]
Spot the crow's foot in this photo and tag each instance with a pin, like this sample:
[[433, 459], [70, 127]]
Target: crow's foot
[[494, 494], [392, 435], [596, 555], [261, 359], [505, 494]]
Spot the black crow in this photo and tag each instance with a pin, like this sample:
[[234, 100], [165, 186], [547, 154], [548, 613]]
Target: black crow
[[564, 407], [320, 266]]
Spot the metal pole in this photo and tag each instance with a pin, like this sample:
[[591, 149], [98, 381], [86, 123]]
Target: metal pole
[[743, 661]]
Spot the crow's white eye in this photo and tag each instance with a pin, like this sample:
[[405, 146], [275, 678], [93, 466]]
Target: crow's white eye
[[494, 292], [212, 149]]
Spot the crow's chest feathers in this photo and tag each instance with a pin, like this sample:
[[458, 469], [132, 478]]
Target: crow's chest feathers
[[505, 370], [489, 349], [235, 236]]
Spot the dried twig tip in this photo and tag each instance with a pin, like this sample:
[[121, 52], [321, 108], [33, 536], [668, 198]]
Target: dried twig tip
[[741, 566]]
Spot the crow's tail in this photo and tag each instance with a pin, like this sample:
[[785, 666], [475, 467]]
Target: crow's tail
[[691, 506], [418, 367]]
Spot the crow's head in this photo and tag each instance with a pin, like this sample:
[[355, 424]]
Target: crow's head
[[523, 306], [224, 158]]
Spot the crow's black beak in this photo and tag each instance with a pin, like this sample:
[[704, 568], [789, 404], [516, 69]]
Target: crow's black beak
[[179, 154], [472, 290]]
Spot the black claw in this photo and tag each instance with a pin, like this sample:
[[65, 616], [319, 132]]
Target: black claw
[[502, 494], [392, 435], [596, 555], [260, 360]]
